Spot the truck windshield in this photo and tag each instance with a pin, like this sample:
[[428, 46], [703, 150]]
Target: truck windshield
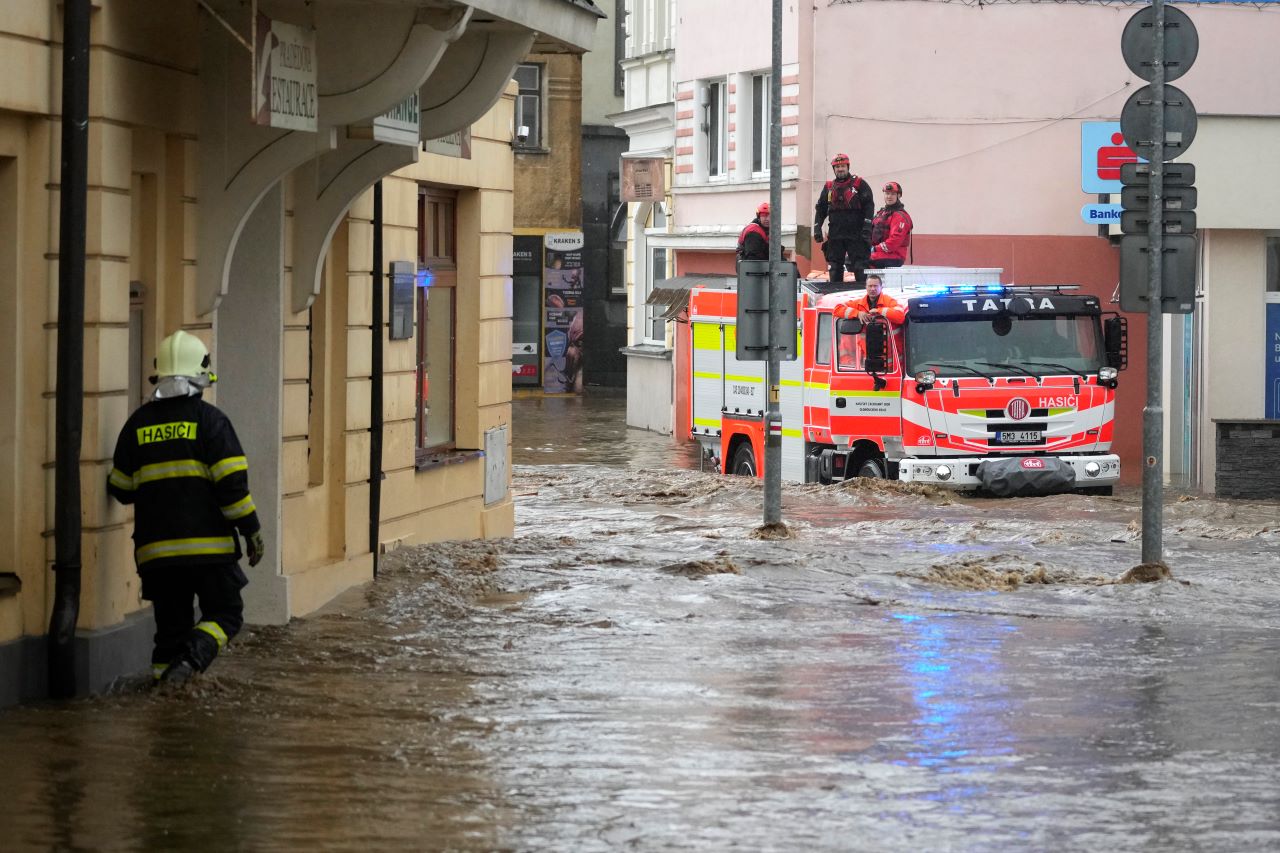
[[1041, 344]]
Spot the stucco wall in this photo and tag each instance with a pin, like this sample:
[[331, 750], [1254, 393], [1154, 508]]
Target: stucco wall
[[977, 113], [548, 184], [142, 214], [1234, 327]]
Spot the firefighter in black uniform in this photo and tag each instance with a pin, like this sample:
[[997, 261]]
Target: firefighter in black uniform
[[753, 242], [850, 205], [179, 462]]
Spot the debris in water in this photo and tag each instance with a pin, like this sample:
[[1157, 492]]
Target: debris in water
[[872, 484], [976, 574], [1147, 573], [721, 565], [772, 532], [603, 623]]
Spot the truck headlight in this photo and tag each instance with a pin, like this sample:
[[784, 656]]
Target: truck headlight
[[944, 472], [925, 380], [1092, 469], [1107, 376]]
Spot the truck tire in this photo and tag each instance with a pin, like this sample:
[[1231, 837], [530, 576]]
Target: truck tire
[[744, 461], [1104, 491], [872, 468]]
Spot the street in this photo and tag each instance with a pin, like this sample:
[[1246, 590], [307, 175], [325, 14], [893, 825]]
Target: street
[[912, 670]]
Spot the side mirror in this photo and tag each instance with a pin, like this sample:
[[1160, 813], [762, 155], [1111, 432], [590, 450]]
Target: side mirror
[[877, 360], [851, 326], [1115, 338]]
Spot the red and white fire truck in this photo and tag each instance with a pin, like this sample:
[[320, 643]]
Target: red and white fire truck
[[986, 386]]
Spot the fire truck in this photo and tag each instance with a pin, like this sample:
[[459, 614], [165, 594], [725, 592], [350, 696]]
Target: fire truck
[[986, 387]]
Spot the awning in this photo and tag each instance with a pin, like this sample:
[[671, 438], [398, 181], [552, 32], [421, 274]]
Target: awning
[[674, 292]]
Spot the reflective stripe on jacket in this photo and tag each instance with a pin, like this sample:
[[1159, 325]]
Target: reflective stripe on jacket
[[179, 462], [891, 233]]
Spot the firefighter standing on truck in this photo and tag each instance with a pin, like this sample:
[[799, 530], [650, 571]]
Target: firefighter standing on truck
[[891, 230], [179, 462], [848, 203], [753, 242]]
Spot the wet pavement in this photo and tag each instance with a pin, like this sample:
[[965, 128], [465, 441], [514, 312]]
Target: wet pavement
[[637, 670]]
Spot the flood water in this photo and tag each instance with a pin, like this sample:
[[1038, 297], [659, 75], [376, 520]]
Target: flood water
[[635, 670]]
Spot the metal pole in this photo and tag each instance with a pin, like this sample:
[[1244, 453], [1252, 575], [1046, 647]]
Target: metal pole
[[1153, 414], [375, 393], [69, 403], [777, 295]]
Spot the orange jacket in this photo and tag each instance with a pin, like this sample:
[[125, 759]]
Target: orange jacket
[[886, 306]]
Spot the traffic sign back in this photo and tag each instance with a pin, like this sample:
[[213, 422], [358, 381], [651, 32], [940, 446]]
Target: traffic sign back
[[1181, 43], [1175, 174], [1137, 123]]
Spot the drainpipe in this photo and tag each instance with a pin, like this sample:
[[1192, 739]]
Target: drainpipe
[[69, 406], [375, 394]]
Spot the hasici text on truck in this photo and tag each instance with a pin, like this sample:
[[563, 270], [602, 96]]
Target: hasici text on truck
[[1005, 389]]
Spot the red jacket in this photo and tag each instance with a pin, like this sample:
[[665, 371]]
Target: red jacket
[[891, 233], [886, 305]]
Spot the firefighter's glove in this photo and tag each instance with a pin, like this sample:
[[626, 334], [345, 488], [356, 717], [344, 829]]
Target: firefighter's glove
[[255, 546], [866, 230], [817, 233]]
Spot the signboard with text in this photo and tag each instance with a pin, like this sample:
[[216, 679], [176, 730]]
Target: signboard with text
[[563, 328], [284, 75], [1273, 359], [642, 179]]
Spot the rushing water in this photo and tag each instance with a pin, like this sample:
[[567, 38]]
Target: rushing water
[[636, 669]]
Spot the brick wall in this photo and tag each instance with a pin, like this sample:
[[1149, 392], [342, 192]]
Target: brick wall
[[1248, 459]]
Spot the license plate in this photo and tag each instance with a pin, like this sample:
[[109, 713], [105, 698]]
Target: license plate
[[1029, 436]]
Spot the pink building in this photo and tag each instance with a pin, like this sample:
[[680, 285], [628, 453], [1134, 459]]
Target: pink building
[[978, 111]]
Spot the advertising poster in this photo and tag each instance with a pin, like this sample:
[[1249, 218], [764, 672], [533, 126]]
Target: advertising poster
[[527, 310], [562, 300], [1273, 360]]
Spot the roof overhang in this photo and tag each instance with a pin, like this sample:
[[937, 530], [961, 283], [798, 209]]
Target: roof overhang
[[563, 26]]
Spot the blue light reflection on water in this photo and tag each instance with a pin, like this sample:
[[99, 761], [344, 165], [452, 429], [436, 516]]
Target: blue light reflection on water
[[953, 669]]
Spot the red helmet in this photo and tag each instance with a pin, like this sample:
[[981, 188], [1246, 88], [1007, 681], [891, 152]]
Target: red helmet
[[893, 187], [763, 209], [840, 160]]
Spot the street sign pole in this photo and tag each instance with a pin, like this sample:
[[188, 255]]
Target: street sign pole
[[777, 293], [1153, 414]]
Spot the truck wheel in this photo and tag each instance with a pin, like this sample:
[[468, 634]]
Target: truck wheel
[[1104, 491], [744, 461], [873, 469]]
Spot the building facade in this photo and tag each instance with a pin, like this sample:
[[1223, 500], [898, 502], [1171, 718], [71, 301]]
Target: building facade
[[259, 239], [648, 118], [988, 147]]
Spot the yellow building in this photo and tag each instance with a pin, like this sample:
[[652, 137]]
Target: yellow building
[[256, 232]]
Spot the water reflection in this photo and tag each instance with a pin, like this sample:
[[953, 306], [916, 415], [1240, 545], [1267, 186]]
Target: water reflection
[[590, 429]]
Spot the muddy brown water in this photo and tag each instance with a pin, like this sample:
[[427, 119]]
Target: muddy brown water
[[636, 669]]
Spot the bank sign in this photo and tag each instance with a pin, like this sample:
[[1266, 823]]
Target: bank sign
[[284, 75], [1102, 152]]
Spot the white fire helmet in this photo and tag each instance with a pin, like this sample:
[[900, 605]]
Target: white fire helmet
[[183, 354]]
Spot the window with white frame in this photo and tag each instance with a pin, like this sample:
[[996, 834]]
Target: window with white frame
[[529, 77], [760, 121], [655, 327], [716, 125]]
